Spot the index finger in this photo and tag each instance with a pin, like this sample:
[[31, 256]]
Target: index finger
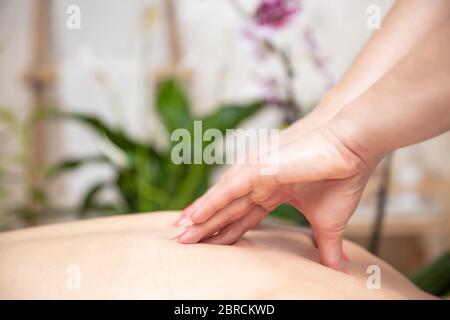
[[224, 192]]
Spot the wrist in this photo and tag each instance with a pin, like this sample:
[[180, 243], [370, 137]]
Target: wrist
[[332, 102], [351, 131]]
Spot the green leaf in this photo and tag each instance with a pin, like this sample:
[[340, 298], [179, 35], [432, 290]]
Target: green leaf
[[73, 164], [38, 195], [172, 105], [152, 162], [10, 119], [7, 117], [90, 201], [126, 144], [435, 278], [147, 194], [126, 184], [290, 214], [190, 187], [230, 116], [139, 193], [118, 138]]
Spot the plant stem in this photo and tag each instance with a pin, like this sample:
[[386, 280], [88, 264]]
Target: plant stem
[[382, 197], [237, 7], [292, 110]]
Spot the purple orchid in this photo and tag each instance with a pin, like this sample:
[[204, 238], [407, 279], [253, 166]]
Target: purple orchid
[[276, 13]]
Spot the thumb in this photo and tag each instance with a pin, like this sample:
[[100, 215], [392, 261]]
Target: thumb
[[330, 248]]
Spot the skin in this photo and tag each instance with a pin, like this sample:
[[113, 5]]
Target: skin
[[132, 257], [388, 99]]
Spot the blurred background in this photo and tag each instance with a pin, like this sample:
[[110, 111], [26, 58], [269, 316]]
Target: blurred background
[[91, 89]]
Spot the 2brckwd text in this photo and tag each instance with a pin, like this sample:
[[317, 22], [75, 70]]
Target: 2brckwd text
[[225, 309]]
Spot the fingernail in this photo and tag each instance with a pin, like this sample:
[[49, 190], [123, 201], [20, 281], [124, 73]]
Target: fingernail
[[178, 235], [184, 237], [176, 223], [345, 257], [180, 221], [186, 222], [183, 215], [189, 211]]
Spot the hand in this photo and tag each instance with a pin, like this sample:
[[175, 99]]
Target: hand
[[318, 174], [324, 111]]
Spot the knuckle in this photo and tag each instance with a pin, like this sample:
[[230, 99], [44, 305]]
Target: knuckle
[[231, 193], [213, 207], [254, 176], [259, 196], [333, 233], [245, 204]]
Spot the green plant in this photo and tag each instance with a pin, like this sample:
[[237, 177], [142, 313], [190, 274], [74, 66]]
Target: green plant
[[435, 278], [148, 179], [14, 171]]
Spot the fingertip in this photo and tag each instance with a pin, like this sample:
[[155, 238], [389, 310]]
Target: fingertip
[[179, 234], [186, 222], [346, 258], [189, 211], [190, 237], [330, 251], [185, 239], [198, 217], [337, 265], [202, 213]]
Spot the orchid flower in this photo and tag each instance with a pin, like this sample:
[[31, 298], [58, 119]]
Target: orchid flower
[[276, 13]]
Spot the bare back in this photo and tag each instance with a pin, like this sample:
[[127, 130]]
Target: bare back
[[132, 257]]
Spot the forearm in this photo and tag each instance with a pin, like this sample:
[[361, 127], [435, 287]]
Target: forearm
[[410, 103], [406, 25]]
